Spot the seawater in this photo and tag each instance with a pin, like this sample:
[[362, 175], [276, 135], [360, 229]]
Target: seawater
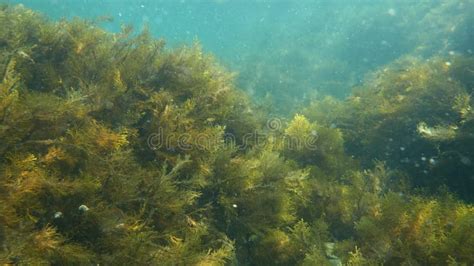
[[290, 50]]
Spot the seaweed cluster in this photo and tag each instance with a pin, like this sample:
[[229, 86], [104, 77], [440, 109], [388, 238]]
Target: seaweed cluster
[[115, 150], [416, 115]]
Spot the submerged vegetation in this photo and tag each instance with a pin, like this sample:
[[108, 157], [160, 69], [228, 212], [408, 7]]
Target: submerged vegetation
[[416, 115], [334, 45], [115, 150]]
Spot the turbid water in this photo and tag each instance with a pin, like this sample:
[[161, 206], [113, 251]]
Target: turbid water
[[289, 49]]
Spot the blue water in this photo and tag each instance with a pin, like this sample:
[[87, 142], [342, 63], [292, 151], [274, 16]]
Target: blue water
[[291, 50]]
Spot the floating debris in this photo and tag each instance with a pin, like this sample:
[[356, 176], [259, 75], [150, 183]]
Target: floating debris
[[438, 133], [120, 226]]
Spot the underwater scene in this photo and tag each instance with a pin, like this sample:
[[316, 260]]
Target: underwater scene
[[236, 132]]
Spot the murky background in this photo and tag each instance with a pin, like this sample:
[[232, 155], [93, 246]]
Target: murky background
[[287, 51]]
